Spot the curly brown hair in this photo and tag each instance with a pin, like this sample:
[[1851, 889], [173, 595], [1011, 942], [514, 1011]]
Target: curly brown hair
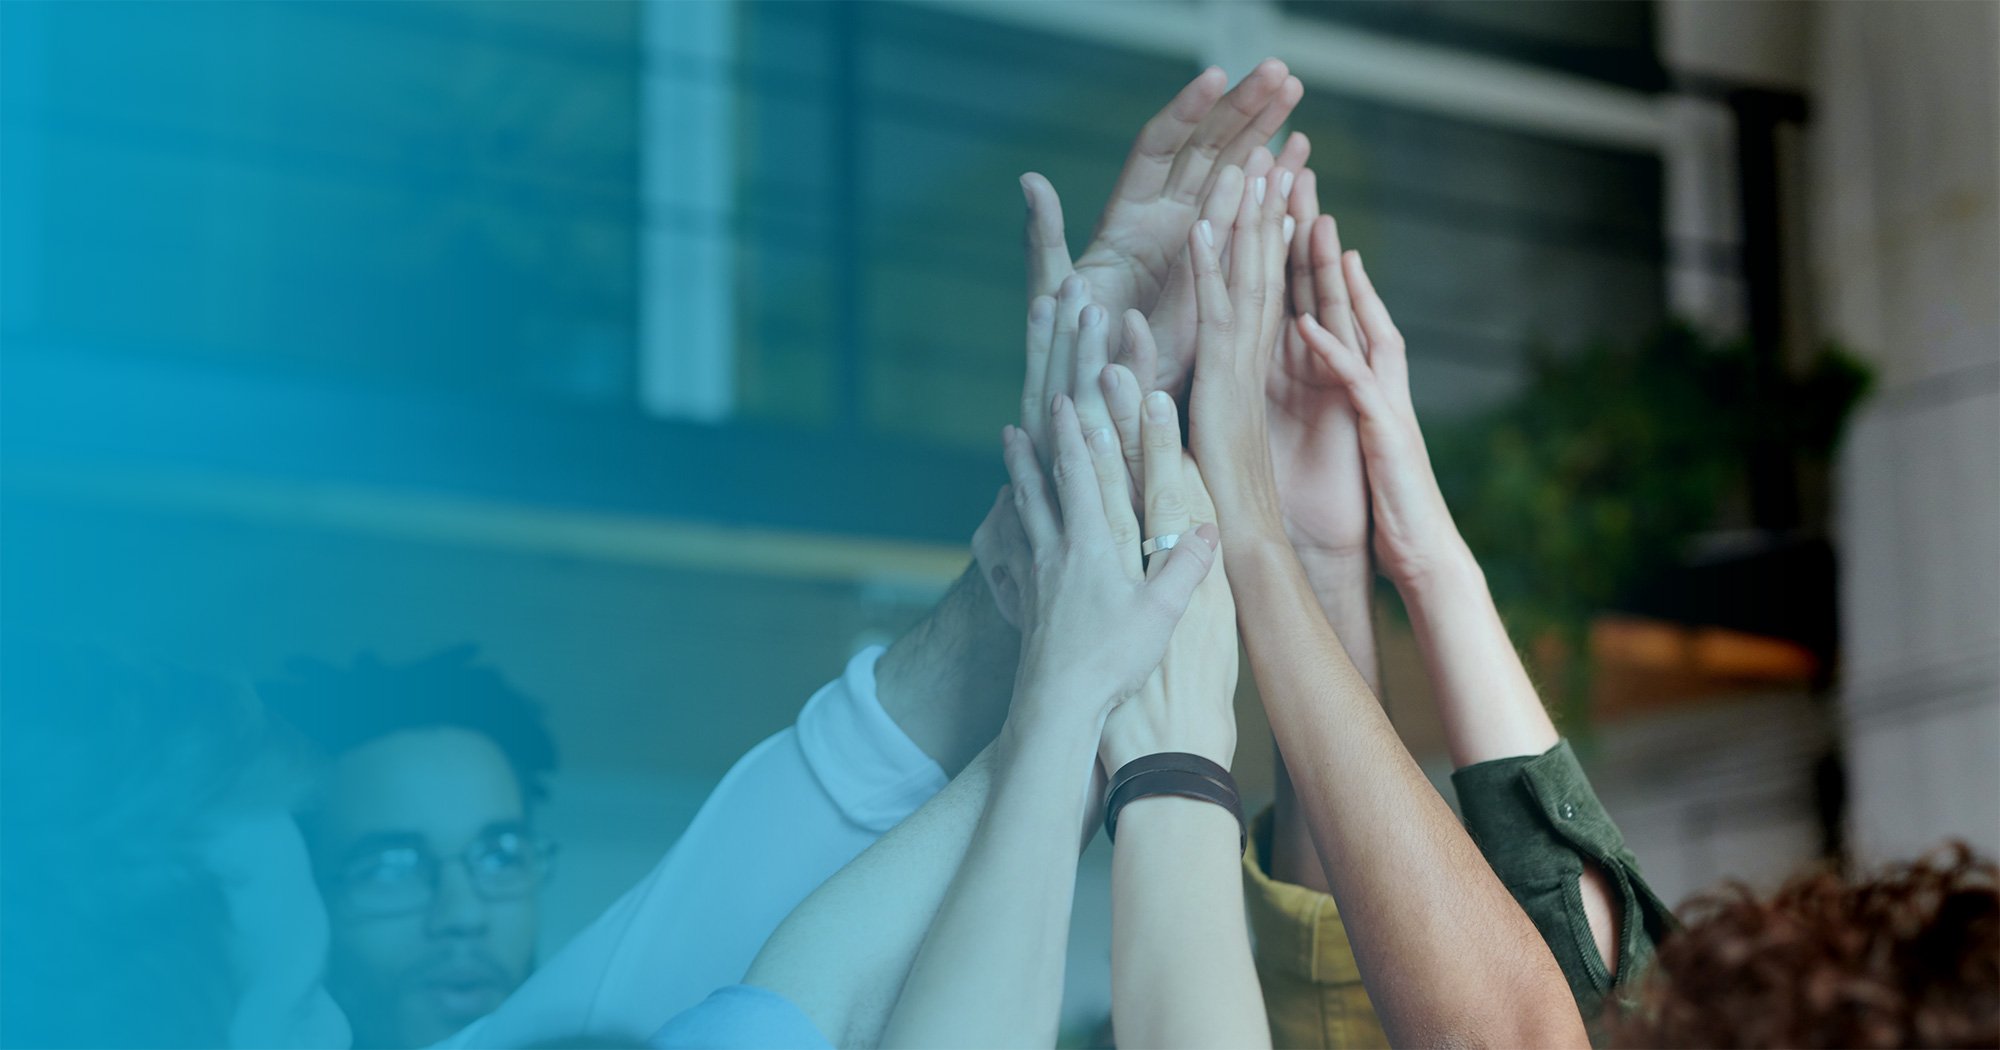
[[1908, 958]]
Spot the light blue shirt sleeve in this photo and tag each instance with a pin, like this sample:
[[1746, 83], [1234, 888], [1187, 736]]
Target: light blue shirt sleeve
[[741, 1017], [789, 814]]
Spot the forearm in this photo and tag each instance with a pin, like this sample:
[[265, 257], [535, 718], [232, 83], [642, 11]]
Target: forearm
[[946, 681], [1487, 702], [844, 952], [1181, 971], [1343, 581], [1343, 584], [990, 970], [1447, 954]]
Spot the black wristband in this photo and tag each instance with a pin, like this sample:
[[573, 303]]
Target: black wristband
[[1177, 760], [1173, 773]]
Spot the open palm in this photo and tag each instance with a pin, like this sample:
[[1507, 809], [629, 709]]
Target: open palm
[[1159, 192], [1315, 446]]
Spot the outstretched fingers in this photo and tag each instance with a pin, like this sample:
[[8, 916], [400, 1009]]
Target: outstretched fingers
[[1032, 501], [1212, 144], [1268, 121], [1302, 218], [1215, 315], [1296, 151], [1166, 495], [1256, 176], [1336, 308], [1092, 351], [1344, 360], [1040, 347], [1246, 257], [1071, 300], [1043, 242], [1114, 488], [1076, 479], [1141, 355], [1385, 344], [1271, 215], [1124, 387], [1163, 137]]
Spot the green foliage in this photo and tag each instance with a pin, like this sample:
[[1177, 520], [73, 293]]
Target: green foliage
[[1598, 473]]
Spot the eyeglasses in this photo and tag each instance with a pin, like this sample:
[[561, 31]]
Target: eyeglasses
[[403, 878]]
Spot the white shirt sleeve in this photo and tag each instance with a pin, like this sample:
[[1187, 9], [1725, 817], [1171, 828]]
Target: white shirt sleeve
[[790, 813]]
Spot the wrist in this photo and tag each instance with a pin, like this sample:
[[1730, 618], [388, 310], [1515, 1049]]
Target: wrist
[[1055, 705], [947, 680], [1181, 775], [1337, 566], [1253, 552], [1446, 574], [961, 640], [1247, 522], [1116, 753], [1182, 818]]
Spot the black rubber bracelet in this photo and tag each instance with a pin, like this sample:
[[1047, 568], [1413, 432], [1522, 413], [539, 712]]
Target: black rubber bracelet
[[1172, 774], [1176, 760]]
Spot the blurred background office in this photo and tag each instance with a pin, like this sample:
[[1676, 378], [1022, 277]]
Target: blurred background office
[[662, 349]]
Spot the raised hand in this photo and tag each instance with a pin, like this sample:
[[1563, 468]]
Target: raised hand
[[1187, 705], [1171, 168], [1094, 632], [1238, 321], [1174, 316], [1414, 532], [1066, 320], [1057, 336], [1315, 448], [1486, 700]]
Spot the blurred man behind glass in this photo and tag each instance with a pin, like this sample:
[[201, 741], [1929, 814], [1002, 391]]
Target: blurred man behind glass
[[423, 837]]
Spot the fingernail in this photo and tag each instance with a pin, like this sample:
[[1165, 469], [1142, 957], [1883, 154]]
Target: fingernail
[[1072, 286], [1357, 261], [1056, 403], [1209, 536], [1026, 195], [1093, 315], [1207, 232], [1259, 189], [1110, 378], [1100, 441], [1285, 185], [1291, 225], [1159, 407]]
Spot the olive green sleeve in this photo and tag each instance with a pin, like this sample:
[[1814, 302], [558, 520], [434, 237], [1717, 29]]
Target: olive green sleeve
[[1537, 821]]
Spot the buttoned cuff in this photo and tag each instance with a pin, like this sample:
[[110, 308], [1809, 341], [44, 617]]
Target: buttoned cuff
[[874, 773], [1537, 820], [1529, 813]]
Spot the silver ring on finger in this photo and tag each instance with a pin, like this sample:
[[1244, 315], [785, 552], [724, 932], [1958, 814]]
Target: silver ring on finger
[[1163, 542]]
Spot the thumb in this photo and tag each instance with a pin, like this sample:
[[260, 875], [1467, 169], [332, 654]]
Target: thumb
[[1043, 239], [1187, 565]]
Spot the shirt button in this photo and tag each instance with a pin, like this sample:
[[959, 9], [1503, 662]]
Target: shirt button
[[1568, 811]]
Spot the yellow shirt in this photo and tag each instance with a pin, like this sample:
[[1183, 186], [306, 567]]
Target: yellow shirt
[[1312, 986]]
